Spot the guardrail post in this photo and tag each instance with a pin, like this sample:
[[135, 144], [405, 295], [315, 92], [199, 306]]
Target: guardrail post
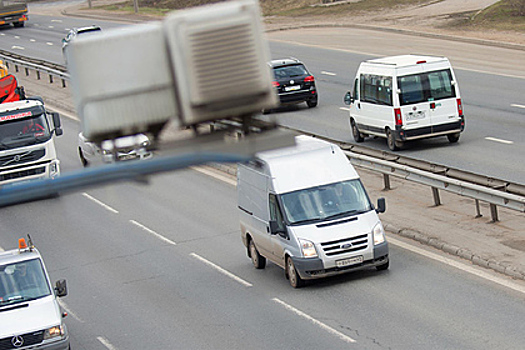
[[50, 79], [37, 75], [27, 71], [16, 68], [494, 212], [63, 83], [386, 179], [478, 210], [435, 194]]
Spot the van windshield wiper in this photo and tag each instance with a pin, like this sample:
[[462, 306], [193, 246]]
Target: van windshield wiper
[[306, 221], [344, 213]]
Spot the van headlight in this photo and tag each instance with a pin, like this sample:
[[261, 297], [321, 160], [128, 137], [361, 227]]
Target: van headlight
[[53, 332], [308, 248], [379, 234]]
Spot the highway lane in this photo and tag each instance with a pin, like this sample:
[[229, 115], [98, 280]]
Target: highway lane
[[491, 92], [162, 265]]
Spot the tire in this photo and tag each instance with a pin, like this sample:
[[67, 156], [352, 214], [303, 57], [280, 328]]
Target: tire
[[358, 137], [453, 138], [383, 266], [265, 111], [83, 159], [312, 103], [393, 145], [258, 260], [291, 273], [18, 24]]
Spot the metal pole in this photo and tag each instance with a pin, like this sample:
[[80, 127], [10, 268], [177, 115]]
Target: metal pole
[[435, 194], [494, 212], [386, 180]]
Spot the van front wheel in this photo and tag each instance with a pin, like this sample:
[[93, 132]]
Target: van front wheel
[[295, 280], [258, 260], [358, 137]]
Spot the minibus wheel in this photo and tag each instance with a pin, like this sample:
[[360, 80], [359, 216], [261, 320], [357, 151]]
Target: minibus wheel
[[258, 260], [291, 273], [393, 145], [453, 138], [358, 137]]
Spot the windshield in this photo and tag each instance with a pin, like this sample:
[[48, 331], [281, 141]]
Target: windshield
[[24, 132], [326, 202], [22, 281]]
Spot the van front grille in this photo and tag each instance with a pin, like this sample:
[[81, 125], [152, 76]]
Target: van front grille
[[345, 245]]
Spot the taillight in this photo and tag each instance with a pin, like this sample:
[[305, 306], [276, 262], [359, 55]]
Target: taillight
[[460, 106], [275, 84], [397, 115], [309, 79]]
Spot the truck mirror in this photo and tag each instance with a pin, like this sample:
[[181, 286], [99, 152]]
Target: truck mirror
[[276, 229], [56, 123], [61, 288], [381, 205], [348, 99]]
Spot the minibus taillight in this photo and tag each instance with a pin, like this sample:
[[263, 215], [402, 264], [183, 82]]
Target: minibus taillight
[[397, 115], [275, 84], [460, 107], [309, 79]]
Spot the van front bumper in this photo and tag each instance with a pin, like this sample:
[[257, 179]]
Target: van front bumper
[[313, 268]]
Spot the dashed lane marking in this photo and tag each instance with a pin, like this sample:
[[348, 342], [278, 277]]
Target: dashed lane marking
[[223, 271]]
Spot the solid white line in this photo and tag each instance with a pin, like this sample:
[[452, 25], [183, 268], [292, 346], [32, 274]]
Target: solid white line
[[499, 140], [106, 343], [328, 73], [105, 206], [516, 105], [152, 232], [68, 310], [458, 265], [316, 322], [223, 271], [216, 174]]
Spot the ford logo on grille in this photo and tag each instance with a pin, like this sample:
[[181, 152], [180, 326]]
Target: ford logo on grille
[[346, 246], [17, 341]]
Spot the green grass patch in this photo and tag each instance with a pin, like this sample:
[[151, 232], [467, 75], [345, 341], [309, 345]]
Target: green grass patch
[[503, 15]]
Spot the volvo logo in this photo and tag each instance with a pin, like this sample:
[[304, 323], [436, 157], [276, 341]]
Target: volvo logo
[[17, 341], [346, 246], [17, 158]]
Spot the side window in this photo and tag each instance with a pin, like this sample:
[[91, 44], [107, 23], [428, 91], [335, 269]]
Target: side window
[[275, 211], [356, 89], [376, 89], [441, 85]]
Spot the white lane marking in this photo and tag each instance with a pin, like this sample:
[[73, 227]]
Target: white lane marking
[[329, 329], [458, 265], [49, 43], [17, 47], [17, 37], [56, 20], [159, 236], [216, 174], [64, 113], [223, 271], [1, 249], [68, 310], [51, 27], [106, 343], [499, 140], [328, 73], [32, 40], [344, 109], [105, 206], [518, 106]]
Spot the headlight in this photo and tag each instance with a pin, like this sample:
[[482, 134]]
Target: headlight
[[56, 331], [308, 249], [379, 234], [145, 144]]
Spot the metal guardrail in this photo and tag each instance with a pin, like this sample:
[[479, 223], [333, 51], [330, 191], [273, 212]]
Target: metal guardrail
[[496, 192], [39, 66]]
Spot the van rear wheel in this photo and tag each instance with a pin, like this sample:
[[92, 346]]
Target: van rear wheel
[[453, 138], [258, 260], [295, 280], [393, 145]]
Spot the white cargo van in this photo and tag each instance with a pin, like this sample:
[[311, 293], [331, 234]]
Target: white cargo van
[[305, 209], [403, 98], [30, 317]]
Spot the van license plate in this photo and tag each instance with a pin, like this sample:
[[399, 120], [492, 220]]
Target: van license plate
[[292, 88], [349, 261]]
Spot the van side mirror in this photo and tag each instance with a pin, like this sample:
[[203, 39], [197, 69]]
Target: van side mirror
[[381, 205], [57, 124], [275, 229], [61, 288], [348, 99]]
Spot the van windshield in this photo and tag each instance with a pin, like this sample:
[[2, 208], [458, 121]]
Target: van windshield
[[22, 281], [427, 86], [326, 202]]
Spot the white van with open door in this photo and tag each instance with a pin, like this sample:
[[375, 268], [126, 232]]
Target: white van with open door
[[305, 209], [403, 98]]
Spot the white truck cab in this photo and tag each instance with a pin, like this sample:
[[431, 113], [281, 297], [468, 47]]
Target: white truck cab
[[27, 141], [305, 209], [404, 98], [30, 317]]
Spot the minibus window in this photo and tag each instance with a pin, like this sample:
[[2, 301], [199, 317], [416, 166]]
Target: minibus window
[[376, 89], [428, 86]]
